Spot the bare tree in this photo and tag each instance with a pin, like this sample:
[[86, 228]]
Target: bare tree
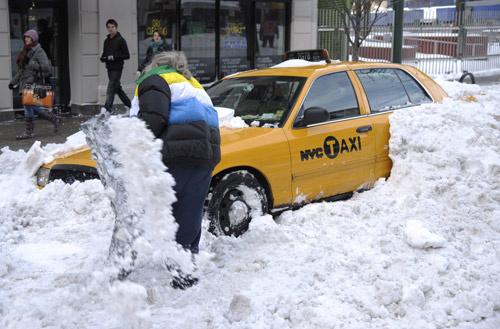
[[356, 15]]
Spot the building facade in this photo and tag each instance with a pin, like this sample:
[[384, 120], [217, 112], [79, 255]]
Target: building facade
[[219, 38]]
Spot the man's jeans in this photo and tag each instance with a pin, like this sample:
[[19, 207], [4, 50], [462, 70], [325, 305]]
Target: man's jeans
[[114, 87]]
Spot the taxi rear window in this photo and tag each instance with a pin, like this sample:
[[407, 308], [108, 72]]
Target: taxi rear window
[[388, 89], [260, 101]]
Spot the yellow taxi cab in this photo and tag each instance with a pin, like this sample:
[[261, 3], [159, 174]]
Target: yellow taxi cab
[[314, 131]]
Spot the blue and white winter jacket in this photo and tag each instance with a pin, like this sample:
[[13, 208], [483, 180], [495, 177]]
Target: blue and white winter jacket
[[180, 112]]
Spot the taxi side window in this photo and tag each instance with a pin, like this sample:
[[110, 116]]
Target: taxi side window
[[388, 89], [335, 93]]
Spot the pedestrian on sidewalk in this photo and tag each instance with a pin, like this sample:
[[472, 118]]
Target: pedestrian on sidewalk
[[158, 44], [115, 51], [33, 68]]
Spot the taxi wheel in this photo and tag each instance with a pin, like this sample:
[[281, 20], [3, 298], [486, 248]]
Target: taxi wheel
[[235, 199]]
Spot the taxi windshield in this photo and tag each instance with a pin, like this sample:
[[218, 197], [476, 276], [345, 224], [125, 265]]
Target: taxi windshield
[[263, 101]]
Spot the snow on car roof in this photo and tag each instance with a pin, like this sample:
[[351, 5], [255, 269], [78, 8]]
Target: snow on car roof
[[300, 63]]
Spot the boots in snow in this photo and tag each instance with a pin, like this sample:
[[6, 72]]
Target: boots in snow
[[52, 118], [29, 127]]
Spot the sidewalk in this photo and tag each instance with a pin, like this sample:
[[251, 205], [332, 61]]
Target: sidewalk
[[44, 132], [487, 80]]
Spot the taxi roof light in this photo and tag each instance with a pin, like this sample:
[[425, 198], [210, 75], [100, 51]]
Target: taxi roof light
[[312, 55]]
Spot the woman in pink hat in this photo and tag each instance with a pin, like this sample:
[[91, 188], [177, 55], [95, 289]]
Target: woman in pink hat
[[33, 67]]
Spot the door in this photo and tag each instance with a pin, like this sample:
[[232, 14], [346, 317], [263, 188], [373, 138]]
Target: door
[[401, 90], [335, 156], [235, 37], [48, 18], [270, 27], [198, 37]]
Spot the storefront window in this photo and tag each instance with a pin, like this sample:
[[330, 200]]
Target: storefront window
[[270, 27], [234, 36], [219, 37], [198, 37], [155, 15]]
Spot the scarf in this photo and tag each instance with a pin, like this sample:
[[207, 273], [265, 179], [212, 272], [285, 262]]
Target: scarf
[[155, 45], [23, 53], [155, 70]]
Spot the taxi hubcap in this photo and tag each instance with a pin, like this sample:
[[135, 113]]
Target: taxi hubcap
[[234, 212], [238, 212]]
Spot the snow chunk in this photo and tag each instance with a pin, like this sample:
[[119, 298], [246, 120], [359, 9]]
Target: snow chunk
[[418, 236], [412, 295], [239, 309], [33, 161], [129, 301], [38, 155], [227, 119]]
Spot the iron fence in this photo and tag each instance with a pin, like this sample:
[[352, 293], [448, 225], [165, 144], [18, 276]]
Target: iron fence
[[433, 40]]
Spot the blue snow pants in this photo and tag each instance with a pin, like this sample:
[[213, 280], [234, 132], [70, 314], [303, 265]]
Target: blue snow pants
[[191, 188]]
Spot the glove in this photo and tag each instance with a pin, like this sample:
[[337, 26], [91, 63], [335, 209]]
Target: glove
[[138, 73], [11, 86], [110, 58], [103, 59]]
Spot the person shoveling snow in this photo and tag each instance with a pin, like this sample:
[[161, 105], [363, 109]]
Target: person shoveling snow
[[142, 204]]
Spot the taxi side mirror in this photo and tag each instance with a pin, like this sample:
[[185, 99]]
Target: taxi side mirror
[[314, 115]]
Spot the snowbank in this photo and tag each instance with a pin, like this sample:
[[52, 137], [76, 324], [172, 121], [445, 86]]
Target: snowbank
[[420, 250]]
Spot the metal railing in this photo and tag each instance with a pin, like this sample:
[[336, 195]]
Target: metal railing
[[431, 43]]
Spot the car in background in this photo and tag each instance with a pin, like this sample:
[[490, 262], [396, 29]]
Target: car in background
[[313, 131]]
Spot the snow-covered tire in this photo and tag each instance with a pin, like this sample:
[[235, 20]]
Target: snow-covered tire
[[234, 201]]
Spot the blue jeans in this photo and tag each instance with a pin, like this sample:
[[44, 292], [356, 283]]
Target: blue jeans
[[191, 189], [30, 110], [114, 87]]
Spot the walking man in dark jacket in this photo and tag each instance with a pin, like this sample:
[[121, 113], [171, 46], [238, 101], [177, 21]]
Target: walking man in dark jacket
[[114, 53]]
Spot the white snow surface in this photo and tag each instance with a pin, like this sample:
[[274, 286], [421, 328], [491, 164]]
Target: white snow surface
[[227, 118], [420, 250], [301, 63]]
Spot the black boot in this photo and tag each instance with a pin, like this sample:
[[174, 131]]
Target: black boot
[[180, 279], [183, 281], [51, 117], [29, 127]]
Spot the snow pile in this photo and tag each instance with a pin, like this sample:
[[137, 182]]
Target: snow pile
[[420, 250], [37, 156], [457, 90], [227, 119]]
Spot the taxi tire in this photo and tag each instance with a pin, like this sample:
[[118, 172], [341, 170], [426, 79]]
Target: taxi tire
[[238, 189]]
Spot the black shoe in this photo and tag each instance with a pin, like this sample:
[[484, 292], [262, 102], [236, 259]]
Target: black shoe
[[183, 282], [57, 124]]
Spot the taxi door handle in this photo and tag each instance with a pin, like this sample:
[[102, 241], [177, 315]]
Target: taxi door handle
[[363, 129]]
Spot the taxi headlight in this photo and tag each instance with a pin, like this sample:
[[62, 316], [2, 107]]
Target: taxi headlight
[[42, 176]]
